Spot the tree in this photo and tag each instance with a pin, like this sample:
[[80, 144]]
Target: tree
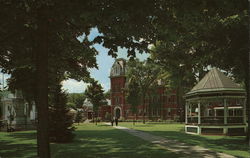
[[180, 72], [78, 116], [146, 73], [154, 102], [1, 103], [37, 31], [36, 25], [60, 121], [107, 94], [133, 96], [42, 32], [207, 33], [107, 116], [94, 93], [75, 100], [33, 54]]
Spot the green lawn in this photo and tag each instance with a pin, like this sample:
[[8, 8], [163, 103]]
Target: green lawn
[[104, 141], [17, 144], [90, 142], [231, 145]]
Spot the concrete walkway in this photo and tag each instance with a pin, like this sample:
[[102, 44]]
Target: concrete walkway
[[175, 146]]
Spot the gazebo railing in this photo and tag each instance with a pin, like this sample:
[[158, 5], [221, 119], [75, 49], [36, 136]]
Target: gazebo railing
[[192, 119], [215, 120], [235, 119], [212, 120]]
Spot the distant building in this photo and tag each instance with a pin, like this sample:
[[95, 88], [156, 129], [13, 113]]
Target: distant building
[[102, 111], [167, 107], [87, 109], [15, 112]]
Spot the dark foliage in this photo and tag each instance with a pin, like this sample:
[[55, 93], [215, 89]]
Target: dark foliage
[[60, 121]]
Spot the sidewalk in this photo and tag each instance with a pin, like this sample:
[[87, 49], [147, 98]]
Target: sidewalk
[[175, 146]]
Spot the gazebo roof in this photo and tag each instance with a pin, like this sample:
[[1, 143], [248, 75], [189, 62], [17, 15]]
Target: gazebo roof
[[213, 81]]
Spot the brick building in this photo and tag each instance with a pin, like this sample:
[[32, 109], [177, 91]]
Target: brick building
[[103, 111], [160, 106]]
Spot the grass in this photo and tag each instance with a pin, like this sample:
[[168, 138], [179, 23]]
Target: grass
[[235, 145], [18, 144], [103, 141], [91, 141]]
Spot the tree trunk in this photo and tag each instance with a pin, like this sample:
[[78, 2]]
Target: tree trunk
[[134, 119], [161, 107], [248, 109], [143, 108], [42, 85], [181, 104], [95, 120], [248, 76]]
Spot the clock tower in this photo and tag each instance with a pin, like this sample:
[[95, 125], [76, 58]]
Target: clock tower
[[118, 80]]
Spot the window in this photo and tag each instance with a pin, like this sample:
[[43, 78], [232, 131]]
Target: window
[[118, 88], [120, 100], [169, 99], [169, 112], [117, 100], [174, 99]]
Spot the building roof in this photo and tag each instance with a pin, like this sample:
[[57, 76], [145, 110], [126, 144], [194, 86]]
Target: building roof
[[7, 95], [215, 80], [118, 68], [87, 102]]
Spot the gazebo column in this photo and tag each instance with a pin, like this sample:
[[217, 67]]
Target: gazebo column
[[199, 112], [225, 129], [244, 112], [190, 110], [199, 117], [186, 113], [245, 115]]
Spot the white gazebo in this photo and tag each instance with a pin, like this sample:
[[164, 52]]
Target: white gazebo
[[216, 105]]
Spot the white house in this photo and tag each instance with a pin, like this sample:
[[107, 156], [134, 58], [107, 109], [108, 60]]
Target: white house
[[15, 112]]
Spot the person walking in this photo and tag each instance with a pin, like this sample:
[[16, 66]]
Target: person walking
[[112, 121], [116, 121]]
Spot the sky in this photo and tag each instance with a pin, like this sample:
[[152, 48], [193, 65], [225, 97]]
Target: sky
[[104, 62]]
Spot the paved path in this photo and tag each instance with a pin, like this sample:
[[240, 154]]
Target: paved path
[[175, 146], [87, 121]]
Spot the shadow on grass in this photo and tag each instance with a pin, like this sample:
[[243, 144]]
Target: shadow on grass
[[28, 135], [18, 144], [108, 143], [236, 146], [233, 145], [219, 143], [224, 143]]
